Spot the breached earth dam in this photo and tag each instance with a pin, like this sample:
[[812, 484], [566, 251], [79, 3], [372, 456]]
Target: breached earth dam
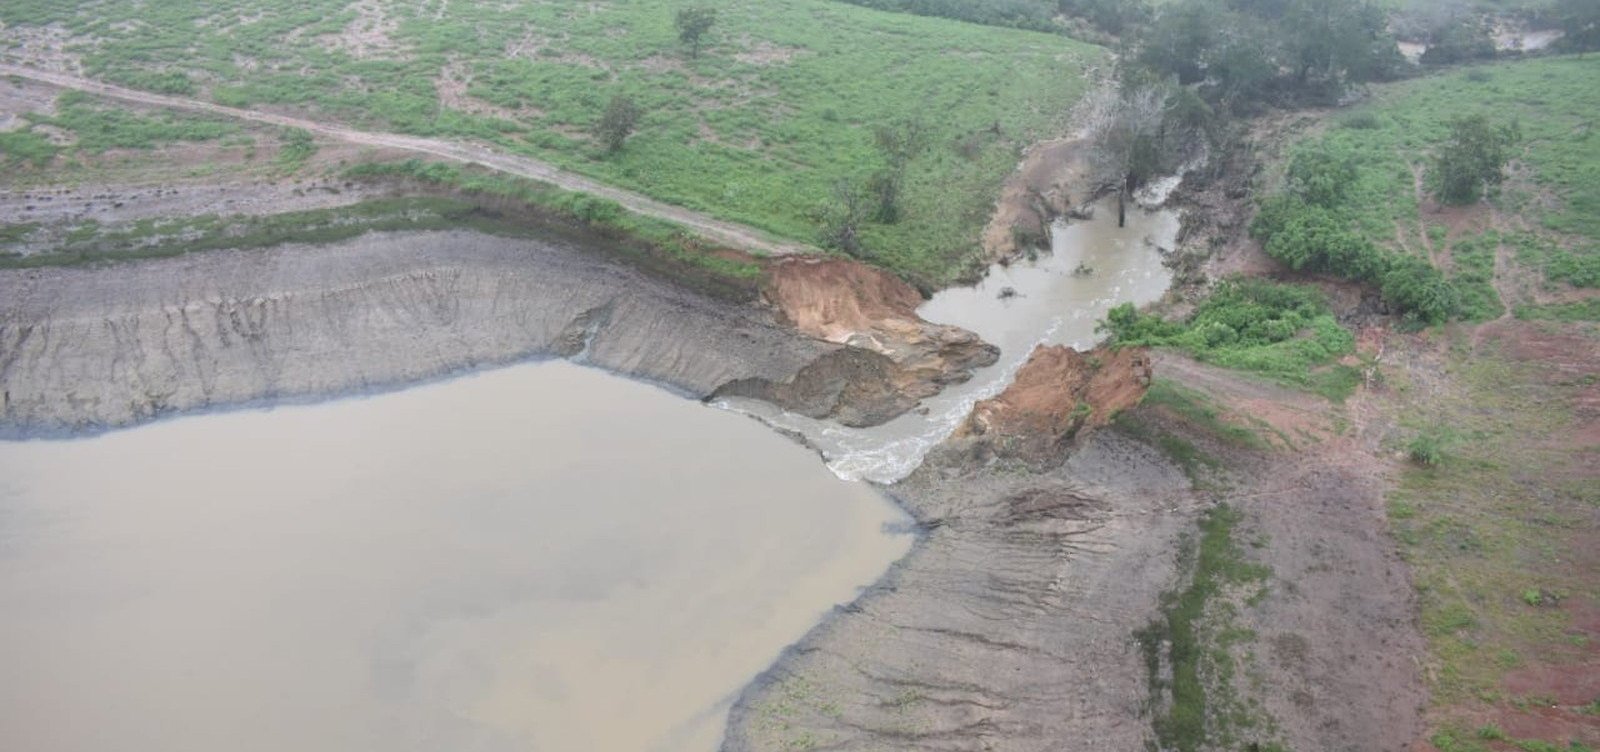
[[542, 556]]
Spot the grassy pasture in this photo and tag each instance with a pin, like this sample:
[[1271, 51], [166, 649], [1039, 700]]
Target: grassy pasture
[[778, 108], [1547, 214]]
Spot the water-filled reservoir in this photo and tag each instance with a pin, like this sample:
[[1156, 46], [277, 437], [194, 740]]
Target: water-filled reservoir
[[542, 557]]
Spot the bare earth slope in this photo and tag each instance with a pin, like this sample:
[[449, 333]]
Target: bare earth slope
[[1009, 627], [92, 347]]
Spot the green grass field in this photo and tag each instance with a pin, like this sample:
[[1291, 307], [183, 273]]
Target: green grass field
[[779, 107], [1547, 213], [1494, 524]]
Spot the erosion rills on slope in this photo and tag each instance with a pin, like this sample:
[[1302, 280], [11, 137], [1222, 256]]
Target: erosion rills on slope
[[1008, 627], [874, 313], [93, 347], [1046, 549]]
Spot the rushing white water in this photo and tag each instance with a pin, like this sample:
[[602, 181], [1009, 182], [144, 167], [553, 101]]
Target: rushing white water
[[543, 557], [1155, 193], [1058, 298]]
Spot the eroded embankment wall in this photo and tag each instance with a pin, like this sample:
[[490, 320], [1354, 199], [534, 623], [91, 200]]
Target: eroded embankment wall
[[86, 348]]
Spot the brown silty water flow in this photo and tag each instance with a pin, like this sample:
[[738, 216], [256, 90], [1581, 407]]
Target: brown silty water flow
[[543, 557], [1057, 298]]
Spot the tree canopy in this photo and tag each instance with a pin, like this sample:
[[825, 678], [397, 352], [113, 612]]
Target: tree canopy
[[693, 22]]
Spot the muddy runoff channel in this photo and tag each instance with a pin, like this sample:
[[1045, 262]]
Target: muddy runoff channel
[[1051, 298], [544, 556]]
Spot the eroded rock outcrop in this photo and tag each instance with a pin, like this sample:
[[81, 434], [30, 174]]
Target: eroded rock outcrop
[[894, 358], [1058, 394]]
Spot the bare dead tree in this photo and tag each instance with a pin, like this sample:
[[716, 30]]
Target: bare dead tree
[[1124, 129]]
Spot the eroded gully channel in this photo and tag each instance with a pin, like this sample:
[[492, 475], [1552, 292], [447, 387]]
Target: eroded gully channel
[[1057, 298], [539, 557]]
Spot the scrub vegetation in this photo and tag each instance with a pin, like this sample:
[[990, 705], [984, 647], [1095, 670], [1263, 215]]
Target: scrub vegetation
[[1284, 332], [1367, 200], [761, 123]]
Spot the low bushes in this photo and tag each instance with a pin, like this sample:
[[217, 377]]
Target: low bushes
[[1309, 227], [1285, 332]]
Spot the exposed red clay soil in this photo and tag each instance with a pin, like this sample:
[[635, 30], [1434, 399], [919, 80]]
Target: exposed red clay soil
[[1571, 687], [1057, 395], [891, 359], [834, 299], [1566, 357], [850, 303]]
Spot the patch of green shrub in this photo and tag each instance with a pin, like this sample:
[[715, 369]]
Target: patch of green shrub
[[99, 128], [1282, 331], [1428, 447], [26, 146]]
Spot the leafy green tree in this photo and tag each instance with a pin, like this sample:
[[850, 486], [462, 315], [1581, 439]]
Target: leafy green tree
[[1112, 16], [1458, 39], [693, 22], [1333, 40], [1177, 43], [1240, 62], [1313, 238], [899, 143], [618, 122], [1237, 48], [1474, 157]]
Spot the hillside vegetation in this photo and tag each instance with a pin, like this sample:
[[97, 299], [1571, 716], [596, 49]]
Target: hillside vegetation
[[1531, 245], [776, 121], [1496, 504]]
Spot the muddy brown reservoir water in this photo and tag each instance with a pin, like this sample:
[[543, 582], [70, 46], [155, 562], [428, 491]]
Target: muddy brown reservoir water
[[542, 557]]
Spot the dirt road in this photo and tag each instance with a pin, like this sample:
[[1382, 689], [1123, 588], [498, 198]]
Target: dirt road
[[729, 233]]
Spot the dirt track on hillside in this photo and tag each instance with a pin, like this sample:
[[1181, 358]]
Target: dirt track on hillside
[[729, 233]]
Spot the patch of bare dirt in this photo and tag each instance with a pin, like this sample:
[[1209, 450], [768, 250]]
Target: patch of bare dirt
[[18, 100], [763, 53], [369, 36], [51, 48], [1052, 180], [1566, 357], [454, 81], [1334, 660]]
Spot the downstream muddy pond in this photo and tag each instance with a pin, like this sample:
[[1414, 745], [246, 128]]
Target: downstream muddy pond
[[543, 557]]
